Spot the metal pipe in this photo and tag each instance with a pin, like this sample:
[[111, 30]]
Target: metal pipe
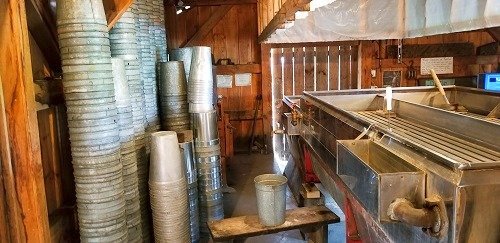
[[403, 210]]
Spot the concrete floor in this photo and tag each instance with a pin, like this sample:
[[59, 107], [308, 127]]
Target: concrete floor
[[242, 170]]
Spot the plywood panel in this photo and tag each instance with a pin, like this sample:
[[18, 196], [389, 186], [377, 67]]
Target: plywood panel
[[310, 82], [288, 79], [298, 71], [333, 64], [322, 68]]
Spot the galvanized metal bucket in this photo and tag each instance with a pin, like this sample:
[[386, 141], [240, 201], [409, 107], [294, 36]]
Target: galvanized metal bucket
[[271, 198]]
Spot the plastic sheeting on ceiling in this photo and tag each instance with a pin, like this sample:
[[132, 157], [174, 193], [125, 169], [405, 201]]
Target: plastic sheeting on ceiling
[[342, 20]]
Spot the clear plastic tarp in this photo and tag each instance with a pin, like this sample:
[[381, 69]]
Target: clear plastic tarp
[[341, 20]]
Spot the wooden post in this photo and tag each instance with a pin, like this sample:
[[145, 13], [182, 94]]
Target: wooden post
[[22, 172], [266, 91]]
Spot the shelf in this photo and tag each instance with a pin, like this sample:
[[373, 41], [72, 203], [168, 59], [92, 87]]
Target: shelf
[[238, 68]]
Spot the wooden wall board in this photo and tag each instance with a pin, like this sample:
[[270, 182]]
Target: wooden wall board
[[276, 55], [171, 26], [333, 55], [49, 146], [202, 31], [322, 68], [345, 67], [374, 56], [309, 81], [432, 50], [181, 30], [353, 78], [234, 37], [298, 71], [191, 23], [317, 68], [369, 50], [266, 78], [288, 66]]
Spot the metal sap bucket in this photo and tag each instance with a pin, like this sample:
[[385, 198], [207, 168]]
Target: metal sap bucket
[[271, 198]]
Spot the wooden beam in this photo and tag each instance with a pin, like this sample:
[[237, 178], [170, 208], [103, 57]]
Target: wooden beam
[[209, 25], [494, 32], [171, 26], [114, 10], [286, 11], [238, 68], [29, 221], [265, 51], [42, 27], [193, 3]]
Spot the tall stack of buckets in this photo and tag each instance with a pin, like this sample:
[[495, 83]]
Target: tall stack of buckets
[[92, 120], [147, 55], [173, 97], [187, 149], [201, 93], [127, 150], [112, 104], [124, 45], [168, 187]]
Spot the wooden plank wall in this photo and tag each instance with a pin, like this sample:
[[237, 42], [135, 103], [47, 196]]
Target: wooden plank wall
[[374, 57], [314, 68], [234, 37]]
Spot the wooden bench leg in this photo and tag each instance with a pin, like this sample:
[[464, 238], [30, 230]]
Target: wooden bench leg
[[318, 235]]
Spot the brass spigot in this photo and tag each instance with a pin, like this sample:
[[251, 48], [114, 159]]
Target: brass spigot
[[296, 116]]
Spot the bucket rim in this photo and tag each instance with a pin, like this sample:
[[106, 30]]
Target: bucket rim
[[277, 177]]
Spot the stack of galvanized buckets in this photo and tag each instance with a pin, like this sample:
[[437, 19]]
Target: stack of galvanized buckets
[[92, 120], [124, 45], [173, 97], [187, 149], [168, 187], [127, 150], [112, 106], [147, 53], [201, 95]]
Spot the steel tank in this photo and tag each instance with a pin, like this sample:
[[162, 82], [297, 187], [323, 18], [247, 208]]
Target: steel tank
[[423, 158]]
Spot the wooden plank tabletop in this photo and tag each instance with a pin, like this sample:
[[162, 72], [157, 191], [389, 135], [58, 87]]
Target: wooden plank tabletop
[[248, 226]]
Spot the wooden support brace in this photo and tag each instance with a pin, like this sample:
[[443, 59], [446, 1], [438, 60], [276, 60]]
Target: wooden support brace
[[42, 26], [286, 11], [114, 10], [209, 25], [495, 113]]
